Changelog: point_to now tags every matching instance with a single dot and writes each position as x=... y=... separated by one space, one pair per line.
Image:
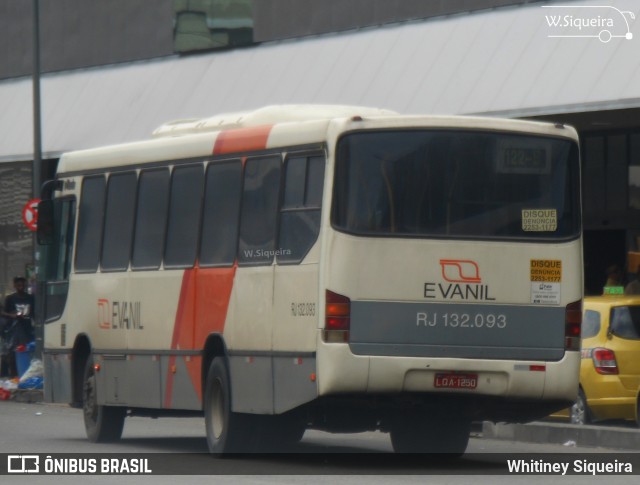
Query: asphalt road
x=319 y=458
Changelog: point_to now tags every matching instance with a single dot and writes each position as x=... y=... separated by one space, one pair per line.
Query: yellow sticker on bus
x=542 y=220
x=547 y=270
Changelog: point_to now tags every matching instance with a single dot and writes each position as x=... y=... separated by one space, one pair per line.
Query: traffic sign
x=30 y=214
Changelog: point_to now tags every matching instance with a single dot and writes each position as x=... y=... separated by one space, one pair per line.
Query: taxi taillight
x=604 y=361
x=337 y=317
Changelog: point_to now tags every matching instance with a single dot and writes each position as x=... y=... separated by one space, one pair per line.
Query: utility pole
x=36 y=169
x=37 y=127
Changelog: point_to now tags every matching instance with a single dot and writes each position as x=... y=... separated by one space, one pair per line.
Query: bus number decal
x=460 y=320
x=303 y=309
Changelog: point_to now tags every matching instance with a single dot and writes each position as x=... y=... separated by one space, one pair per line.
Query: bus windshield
x=463 y=184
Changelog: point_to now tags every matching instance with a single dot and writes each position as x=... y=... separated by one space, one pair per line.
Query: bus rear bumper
x=340 y=371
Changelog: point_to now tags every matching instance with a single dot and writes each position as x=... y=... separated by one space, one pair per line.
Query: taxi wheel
x=638 y=410
x=580 y=412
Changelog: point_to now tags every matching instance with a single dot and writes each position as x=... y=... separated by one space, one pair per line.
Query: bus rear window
x=445 y=183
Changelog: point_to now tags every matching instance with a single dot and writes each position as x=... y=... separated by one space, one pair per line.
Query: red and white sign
x=30 y=214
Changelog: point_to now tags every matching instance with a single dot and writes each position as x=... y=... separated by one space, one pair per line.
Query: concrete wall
x=281 y=19
x=84 y=33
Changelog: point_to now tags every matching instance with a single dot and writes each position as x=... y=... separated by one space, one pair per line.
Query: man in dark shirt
x=18 y=308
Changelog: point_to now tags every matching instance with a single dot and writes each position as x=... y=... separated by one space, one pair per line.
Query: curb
x=565 y=434
x=24 y=395
x=28 y=395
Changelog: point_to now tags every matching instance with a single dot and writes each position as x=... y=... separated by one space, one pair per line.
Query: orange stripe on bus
x=202 y=310
x=242 y=140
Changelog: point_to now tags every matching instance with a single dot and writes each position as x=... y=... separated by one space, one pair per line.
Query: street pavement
x=616 y=436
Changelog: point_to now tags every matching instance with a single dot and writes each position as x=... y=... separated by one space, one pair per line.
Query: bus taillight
x=573 y=322
x=337 y=317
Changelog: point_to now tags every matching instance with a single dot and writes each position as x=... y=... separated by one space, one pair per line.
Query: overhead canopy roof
x=498 y=62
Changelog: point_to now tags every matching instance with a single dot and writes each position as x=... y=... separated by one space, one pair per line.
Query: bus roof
x=276 y=126
x=268 y=115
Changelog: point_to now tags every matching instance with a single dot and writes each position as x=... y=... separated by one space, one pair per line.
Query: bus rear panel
x=458 y=255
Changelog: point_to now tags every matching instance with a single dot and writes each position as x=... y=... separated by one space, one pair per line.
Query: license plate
x=456 y=381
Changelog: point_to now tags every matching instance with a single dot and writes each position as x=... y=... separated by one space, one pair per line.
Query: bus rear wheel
x=227 y=432
x=103 y=424
x=415 y=433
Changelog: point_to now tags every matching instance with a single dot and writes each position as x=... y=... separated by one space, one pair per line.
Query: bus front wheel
x=103 y=424
x=227 y=432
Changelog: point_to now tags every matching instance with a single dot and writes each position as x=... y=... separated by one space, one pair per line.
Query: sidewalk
x=28 y=395
x=601 y=436
x=9 y=391
x=22 y=395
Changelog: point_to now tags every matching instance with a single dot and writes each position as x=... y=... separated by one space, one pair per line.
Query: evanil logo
x=461 y=280
x=603 y=22
x=123 y=315
x=460 y=271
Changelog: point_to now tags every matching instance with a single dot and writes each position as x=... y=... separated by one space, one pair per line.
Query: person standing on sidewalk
x=18 y=308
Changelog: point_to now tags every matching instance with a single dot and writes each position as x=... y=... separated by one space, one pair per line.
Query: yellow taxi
x=610 y=366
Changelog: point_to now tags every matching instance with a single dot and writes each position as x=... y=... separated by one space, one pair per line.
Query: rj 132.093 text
x=462 y=320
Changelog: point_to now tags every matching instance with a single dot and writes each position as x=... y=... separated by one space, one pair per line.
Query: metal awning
x=499 y=62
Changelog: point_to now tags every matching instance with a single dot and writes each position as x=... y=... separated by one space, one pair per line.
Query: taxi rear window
x=625 y=322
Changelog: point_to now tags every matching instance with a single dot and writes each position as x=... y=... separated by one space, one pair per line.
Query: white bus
x=336 y=268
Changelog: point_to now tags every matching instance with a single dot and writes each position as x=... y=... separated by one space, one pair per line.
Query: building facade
x=79 y=33
x=114 y=70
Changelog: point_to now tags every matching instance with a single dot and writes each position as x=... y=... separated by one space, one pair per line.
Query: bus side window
x=91 y=216
x=118 y=224
x=221 y=214
x=151 y=219
x=65 y=240
x=184 y=216
x=300 y=218
x=55 y=264
x=259 y=214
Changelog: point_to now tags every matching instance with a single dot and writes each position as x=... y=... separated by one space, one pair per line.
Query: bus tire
x=103 y=424
x=416 y=434
x=227 y=432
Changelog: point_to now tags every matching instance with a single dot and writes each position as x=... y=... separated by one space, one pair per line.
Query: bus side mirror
x=45 y=223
